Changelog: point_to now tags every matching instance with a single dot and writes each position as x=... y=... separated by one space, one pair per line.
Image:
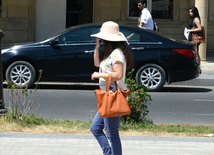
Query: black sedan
x=68 y=57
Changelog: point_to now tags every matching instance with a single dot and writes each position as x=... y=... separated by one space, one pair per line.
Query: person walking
x=194 y=26
x=115 y=58
x=145 y=21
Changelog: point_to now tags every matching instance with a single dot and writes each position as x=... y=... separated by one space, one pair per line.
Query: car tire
x=21 y=73
x=152 y=76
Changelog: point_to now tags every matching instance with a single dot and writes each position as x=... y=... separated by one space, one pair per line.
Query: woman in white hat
x=115 y=58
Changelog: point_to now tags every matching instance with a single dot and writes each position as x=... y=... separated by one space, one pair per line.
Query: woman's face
x=190 y=13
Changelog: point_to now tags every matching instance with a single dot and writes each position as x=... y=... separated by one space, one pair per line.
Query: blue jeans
x=112 y=131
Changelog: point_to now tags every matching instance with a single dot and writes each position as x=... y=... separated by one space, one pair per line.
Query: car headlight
x=4 y=50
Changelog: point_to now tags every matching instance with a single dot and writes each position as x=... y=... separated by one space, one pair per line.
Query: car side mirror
x=54 y=41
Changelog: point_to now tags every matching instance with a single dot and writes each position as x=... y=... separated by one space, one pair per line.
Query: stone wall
x=18 y=21
x=107 y=10
x=19 y=24
x=117 y=11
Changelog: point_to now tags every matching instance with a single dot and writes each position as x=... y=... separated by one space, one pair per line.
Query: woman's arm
x=116 y=75
x=96 y=53
x=198 y=24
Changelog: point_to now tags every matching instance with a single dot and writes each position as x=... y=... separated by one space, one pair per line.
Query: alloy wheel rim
x=150 y=77
x=20 y=75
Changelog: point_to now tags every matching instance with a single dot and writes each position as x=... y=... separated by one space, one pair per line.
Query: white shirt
x=146 y=18
x=106 y=66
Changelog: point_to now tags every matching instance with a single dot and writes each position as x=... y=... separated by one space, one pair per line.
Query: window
x=133 y=9
x=79 y=12
x=135 y=37
x=0 y=8
x=211 y=12
x=79 y=36
x=160 y=9
x=131 y=35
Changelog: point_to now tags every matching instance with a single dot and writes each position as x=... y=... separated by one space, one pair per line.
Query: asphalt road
x=174 y=104
x=183 y=105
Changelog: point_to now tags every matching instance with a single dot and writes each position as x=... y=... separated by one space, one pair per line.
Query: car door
x=72 y=58
x=138 y=45
x=145 y=45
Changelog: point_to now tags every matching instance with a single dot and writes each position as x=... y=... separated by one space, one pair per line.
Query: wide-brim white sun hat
x=110 y=32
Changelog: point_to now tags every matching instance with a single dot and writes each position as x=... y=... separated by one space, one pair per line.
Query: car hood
x=24 y=45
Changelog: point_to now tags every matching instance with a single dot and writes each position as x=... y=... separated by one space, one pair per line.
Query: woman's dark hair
x=109 y=46
x=195 y=12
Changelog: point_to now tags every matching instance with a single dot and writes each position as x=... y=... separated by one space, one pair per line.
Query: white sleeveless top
x=106 y=66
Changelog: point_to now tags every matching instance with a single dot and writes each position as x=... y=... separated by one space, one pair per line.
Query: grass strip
x=36 y=124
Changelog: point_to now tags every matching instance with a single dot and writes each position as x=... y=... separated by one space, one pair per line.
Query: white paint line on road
x=201 y=100
x=203 y=114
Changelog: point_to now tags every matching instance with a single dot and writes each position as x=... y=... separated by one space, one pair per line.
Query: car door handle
x=137 y=48
x=89 y=51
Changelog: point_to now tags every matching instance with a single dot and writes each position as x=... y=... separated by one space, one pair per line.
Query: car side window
x=148 y=38
x=132 y=36
x=79 y=36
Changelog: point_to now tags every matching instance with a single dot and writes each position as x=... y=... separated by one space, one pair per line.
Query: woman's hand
x=98 y=43
x=95 y=75
x=96 y=53
x=188 y=30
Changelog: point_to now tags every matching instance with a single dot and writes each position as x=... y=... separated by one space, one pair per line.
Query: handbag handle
x=108 y=83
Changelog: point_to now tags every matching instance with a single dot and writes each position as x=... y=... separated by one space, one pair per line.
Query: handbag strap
x=108 y=83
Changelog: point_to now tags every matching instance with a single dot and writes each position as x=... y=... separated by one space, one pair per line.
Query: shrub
x=21 y=101
x=138 y=100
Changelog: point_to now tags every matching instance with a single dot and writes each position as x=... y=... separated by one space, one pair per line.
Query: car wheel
x=21 y=73
x=152 y=76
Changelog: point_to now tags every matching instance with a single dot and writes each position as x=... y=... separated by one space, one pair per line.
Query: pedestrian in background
x=115 y=58
x=194 y=25
x=145 y=20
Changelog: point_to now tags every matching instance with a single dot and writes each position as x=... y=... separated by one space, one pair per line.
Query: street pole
x=3 y=110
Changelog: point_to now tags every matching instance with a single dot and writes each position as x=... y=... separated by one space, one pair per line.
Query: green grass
x=170 y=129
x=33 y=123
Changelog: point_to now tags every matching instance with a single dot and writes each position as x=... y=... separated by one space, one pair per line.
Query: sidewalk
x=208 y=65
x=68 y=144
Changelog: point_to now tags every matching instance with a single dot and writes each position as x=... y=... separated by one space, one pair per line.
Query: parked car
x=68 y=57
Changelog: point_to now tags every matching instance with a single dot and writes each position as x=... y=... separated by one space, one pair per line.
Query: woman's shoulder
x=117 y=54
x=117 y=51
x=196 y=19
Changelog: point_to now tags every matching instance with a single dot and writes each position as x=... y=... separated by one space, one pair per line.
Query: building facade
x=33 y=20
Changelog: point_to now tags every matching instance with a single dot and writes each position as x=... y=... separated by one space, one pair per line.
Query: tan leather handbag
x=112 y=104
x=199 y=37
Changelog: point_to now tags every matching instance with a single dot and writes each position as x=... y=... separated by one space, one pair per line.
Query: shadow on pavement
x=94 y=86
x=68 y=87
x=64 y=86
x=188 y=89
